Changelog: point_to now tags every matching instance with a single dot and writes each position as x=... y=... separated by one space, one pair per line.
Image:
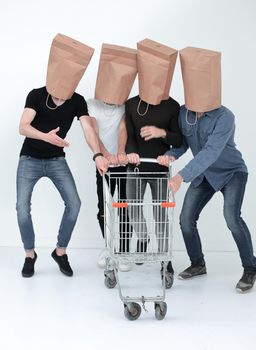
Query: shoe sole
x=101 y=266
x=243 y=291
x=27 y=275
x=61 y=270
x=125 y=270
x=189 y=278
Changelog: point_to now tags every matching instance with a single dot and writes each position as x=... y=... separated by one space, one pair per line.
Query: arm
x=178 y=152
x=93 y=142
x=171 y=136
x=110 y=157
x=26 y=129
x=122 y=140
x=131 y=145
x=96 y=130
x=211 y=151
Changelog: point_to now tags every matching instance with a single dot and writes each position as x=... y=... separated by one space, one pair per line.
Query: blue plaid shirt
x=211 y=140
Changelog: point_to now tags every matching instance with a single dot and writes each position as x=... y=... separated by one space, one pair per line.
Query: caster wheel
x=132 y=311
x=110 y=282
x=160 y=310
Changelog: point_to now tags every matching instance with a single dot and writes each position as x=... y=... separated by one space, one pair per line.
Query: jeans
x=118 y=184
x=136 y=188
x=195 y=200
x=30 y=170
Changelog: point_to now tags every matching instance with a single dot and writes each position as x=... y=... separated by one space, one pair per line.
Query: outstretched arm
x=112 y=159
x=26 y=129
x=122 y=140
x=93 y=142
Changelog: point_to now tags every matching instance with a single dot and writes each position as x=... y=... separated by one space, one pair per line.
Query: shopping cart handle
x=151 y=160
x=148 y=160
x=142 y=160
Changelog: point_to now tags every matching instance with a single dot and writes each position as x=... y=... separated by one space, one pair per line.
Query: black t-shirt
x=163 y=116
x=46 y=120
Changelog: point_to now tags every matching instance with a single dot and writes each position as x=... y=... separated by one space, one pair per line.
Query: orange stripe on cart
x=168 y=204
x=119 y=205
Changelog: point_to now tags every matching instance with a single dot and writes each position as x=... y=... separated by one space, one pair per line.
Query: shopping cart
x=150 y=215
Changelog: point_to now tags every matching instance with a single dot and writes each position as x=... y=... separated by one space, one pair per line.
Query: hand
x=101 y=164
x=133 y=158
x=151 y=132
x=175 y=182
x=122 y=158
x=112 y=159
x=54 y=139
x=165 y=160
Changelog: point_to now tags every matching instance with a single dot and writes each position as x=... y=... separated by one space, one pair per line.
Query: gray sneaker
x=192 y=271
x=247 y=280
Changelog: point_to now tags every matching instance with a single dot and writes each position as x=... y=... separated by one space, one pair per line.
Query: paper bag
x=201 y=73
x=156 y=63
x=67 y=63
x=116 y=73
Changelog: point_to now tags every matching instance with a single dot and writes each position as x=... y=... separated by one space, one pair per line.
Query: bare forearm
x=31 y=132
x=91 y=138
x=122 y=141
x=103 y=149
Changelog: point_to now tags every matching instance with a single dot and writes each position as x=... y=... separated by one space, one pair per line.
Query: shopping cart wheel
x=110 y=282
x=132 y=311
x=168 y=280
x=160 y=310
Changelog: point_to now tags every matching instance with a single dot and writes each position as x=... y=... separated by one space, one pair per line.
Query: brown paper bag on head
x=201 y=73
x=156 y=63
x=116 y=73
x=67 y=63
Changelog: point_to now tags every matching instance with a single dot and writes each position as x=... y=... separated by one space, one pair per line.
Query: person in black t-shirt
x=45 y=123
x=151 y=130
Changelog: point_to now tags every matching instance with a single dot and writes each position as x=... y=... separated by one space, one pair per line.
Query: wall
x=27 y=29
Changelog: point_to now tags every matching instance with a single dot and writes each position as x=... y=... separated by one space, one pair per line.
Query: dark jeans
x=30 y=170
x=196 y=199
x=119 y=185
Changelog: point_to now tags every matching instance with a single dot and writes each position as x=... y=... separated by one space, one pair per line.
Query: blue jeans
x=30 y=170
x=196 y=199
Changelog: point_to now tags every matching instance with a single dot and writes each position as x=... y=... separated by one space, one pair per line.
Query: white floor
x=52 y=311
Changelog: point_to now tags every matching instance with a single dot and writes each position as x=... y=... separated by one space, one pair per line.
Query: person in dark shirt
x=151 y=130
x=45 y=122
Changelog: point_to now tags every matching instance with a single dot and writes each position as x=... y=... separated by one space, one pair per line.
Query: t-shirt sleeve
x=81 y=108
x=32 y=101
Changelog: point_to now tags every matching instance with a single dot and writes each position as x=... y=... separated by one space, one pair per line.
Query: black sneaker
x=192 y=271
x=63 y=263
x=28 y=267
x=247 y=280
x=142 y=247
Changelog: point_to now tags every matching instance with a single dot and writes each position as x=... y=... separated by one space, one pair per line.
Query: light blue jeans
x=30 y=170
x=196 y=199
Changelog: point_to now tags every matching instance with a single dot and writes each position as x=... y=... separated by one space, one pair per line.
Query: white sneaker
x=125 y=266
x=102 y=258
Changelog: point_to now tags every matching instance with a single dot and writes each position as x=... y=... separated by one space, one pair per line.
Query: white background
x=27 y=28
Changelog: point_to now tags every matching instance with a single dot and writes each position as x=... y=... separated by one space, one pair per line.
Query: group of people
x=120 y=131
